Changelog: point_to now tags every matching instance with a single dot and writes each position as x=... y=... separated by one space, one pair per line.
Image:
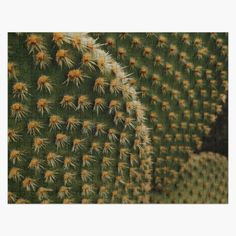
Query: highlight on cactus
x=115 y=117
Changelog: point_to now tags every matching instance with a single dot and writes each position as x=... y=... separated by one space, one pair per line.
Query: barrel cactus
x=76 y=127
x=182 y=80
x=203 y=179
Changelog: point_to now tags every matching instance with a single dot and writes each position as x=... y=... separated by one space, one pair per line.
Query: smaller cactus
x=203 y=179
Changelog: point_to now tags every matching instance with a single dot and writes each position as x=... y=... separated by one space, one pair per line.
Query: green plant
x=76 y=128
x=203 y=179
x=182 y=80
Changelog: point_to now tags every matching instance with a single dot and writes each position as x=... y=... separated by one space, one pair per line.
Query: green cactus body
x=203 y=179
x=182 y=80
x=76 y=129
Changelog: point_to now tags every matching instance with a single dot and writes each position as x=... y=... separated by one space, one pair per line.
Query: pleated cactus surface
x=76 y=128
x=182 y=80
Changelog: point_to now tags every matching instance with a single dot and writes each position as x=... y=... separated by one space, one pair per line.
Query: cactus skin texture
x=182 y=79
x=76 y=131
x=203 y=179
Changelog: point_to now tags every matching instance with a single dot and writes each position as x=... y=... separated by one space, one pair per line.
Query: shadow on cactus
x=112 y=118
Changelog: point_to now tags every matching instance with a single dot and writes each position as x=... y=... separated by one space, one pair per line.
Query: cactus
x=203 y=179
x=76 y=128
x=182 y=80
